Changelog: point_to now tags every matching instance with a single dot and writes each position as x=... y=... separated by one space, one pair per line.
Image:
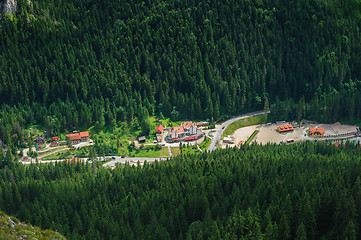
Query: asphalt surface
x=220 y=128
x=215 y=140
x=133 y=159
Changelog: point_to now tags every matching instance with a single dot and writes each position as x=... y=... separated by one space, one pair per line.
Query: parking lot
x=268 y=133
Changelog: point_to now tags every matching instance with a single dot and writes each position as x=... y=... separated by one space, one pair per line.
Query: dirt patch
x=242 y=134
x=268 y=133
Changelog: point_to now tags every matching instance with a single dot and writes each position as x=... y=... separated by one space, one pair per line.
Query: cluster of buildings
x=313 y=131
x=187 y=131
x=74 y=138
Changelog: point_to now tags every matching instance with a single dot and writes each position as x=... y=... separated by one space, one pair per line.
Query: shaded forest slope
x=272 y=192
x=91 y=60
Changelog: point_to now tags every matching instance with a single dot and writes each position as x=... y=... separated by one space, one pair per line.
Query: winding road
x=215 y=140
x=219 y=129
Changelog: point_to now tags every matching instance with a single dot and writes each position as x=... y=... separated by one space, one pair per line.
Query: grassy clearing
x=175 y=151
x=204 y=145
x=60 y=155
x=189 y=149
x=164 y=152
x=153 y=153
x=249 y=140
x=260 y=119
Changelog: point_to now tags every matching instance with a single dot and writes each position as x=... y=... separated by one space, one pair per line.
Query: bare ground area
x=269 y=134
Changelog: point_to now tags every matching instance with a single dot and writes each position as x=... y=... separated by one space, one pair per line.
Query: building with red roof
x=73 y=160
x=285 y=128
x=55 y=139
x=78 y=137
x=160 y=129
x=186 y=130
x=319 y=131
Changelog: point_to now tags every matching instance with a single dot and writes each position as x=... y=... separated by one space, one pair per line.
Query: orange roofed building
x=319 y=131
x=74 y=160
x=187 y=128
x=159 y=129
x=78 y=137
x=285 y=128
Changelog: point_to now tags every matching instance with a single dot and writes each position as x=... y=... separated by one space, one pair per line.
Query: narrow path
x=199 y=148
x=170 y=151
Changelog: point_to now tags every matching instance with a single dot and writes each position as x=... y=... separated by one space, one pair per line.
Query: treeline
x=303 y=191
x=335 y=106
x=82 y=62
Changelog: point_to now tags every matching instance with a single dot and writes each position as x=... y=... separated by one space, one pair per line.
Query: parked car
x=113 y=157
x=122 y=157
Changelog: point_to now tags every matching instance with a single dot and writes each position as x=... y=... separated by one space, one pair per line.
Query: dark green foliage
x=91 y=62
x=305 y=191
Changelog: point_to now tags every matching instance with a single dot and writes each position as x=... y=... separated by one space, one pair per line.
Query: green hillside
x=88 y=61
x=12 y=229
x=256 y=192
x=111 y=66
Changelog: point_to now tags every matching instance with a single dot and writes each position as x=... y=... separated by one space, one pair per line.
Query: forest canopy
x=300 y=191
x=84 y=62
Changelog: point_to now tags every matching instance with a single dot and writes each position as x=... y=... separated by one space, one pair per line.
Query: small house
x=228 y=140
x=39 y=139
x=53 y=144
x=141 y=139
x=55 y=139
x=160 y=129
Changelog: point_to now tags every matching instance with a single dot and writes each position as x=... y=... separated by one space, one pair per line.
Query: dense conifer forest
x=301 y=191
x=78 y=63
x=82 y=63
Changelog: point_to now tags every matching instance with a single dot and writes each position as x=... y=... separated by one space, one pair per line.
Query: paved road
x=134 y=159
x=219 y=129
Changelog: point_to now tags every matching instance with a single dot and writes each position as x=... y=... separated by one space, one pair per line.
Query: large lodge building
x=78 y=137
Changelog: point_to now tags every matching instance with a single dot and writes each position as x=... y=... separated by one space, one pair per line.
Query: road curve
x=219 y=129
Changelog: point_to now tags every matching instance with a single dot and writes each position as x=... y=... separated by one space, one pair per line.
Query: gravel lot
x=268 y=133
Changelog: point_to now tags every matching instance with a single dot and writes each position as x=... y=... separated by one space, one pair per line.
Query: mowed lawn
x=153 y=153
x=260 y=119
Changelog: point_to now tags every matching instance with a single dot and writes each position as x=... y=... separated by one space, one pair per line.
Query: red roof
x=177 y=129
x=73 y=160
x=285 y=128
x=188 y=124
x=159 y=129
x=337 y=144
x=78 y=136
x=55 y=138
x=190 y=138
x=318 y=130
